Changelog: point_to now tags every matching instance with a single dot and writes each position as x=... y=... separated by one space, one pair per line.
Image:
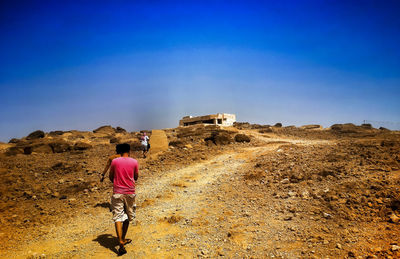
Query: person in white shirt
x=145 y=144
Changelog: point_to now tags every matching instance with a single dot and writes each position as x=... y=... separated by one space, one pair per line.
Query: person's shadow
x=108 y=241
x=106 y=205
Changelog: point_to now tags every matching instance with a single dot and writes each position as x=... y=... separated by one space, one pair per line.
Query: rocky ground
x=249 y=191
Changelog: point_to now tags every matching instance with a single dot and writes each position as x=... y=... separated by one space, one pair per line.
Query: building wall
x=229 y=119
x=223 y=119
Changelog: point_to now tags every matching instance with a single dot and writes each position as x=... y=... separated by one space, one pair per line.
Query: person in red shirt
x=124 y=172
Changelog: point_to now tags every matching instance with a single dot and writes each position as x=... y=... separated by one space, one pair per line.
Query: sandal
x=121 y=251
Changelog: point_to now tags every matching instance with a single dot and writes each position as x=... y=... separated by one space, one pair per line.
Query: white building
x=222 y=119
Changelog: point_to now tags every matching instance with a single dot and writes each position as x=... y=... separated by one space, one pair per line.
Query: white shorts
x=123 y=207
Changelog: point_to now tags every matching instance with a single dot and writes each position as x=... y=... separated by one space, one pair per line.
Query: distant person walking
x=145 y=144
x=124 y=173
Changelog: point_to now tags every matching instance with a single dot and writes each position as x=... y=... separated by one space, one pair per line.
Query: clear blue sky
x=145 y=64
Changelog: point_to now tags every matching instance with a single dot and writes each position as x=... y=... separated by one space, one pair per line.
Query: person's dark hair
x=122 y=148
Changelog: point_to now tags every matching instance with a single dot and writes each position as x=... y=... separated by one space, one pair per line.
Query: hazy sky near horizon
x=145 y=64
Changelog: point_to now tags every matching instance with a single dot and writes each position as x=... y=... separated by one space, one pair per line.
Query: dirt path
x=171 y=215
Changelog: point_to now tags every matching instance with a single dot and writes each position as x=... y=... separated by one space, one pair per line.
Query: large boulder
x=56 y=133
x=35 y=135
x=176 y=143
x=81 y=146
x=223 y=139
x=366 y=126
x=60 y=146
x=14 y=141
x=266 y=130
x=241 y=125
x=38 y=148
x=219 y=138
x=311 y=126
x=242 y=138
x=105 y=129
x=278 y=125
x=345 y=128
x=12 y=151
x=120 y=130
x=114 y=140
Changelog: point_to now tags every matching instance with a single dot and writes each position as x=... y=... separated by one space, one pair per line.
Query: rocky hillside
x=321 y=184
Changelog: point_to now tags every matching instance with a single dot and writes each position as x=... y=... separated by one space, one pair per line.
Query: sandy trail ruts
x=166 y=215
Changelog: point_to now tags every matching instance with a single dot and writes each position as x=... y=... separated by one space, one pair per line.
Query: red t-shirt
x=124 y=169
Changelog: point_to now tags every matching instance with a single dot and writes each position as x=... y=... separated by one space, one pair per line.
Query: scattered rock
x=394 y=248
x=285 y=181
x=394 y=218
x=28 y=194
x=35 y=135
x=305 y=195
x=174 y=219
x=288 y=217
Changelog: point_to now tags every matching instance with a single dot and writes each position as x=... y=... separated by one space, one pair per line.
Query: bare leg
x=125 y=226
x=118 y=229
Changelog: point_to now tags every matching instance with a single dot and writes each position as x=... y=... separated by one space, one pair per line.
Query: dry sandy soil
x=288 y=193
